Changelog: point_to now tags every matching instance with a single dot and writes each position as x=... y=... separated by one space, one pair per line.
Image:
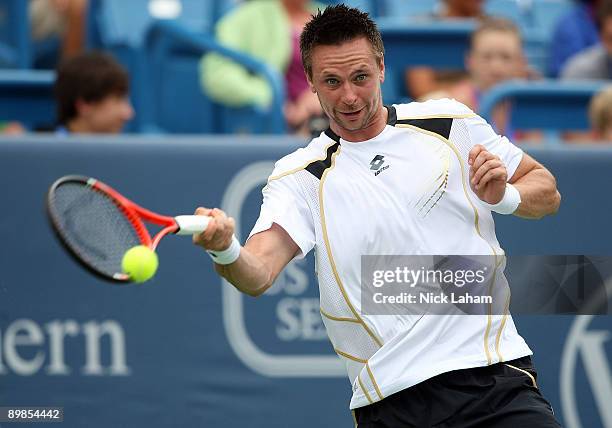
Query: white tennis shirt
x=418 y=201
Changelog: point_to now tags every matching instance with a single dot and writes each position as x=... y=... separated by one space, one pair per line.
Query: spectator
x=594 y=62
x=574 y=32
x=600 y=114
x=11 y=128
x=424 y=80
x=268 y=30
x=495 y=56
x=92 y=95
x=63 y=19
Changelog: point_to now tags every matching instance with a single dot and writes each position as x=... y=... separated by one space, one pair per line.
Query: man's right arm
x=261 y=260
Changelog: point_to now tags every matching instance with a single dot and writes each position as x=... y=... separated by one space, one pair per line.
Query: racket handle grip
x=191 y=224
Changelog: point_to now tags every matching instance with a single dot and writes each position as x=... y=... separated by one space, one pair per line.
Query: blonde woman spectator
x=600 y=114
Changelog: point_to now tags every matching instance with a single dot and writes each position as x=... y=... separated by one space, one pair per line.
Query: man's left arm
x=535 y=184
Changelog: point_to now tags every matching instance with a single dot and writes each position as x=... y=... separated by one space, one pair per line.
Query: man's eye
x=361 y=77
x=331 y=81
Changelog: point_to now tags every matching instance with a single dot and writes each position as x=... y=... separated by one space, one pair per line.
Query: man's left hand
x=488 y=175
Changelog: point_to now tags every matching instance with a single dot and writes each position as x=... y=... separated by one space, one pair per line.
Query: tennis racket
x=97 y=225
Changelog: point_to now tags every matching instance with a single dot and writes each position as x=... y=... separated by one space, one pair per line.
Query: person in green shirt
x=269 y=31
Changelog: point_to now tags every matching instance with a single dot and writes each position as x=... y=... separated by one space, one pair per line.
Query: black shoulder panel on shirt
x=391 y=115
x=318 y=167
x=332 y=135
x=439 y=125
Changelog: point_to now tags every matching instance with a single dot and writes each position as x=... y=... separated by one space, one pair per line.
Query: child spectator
x=92 y=92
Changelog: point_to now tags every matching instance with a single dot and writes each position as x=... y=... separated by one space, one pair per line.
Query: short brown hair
x=338 y=24
x=89 y=77
x=600 y=110
x=495 y=24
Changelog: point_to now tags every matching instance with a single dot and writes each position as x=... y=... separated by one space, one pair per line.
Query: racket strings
x=94 y=226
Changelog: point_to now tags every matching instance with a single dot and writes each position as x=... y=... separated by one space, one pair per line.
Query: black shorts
x=503 y=395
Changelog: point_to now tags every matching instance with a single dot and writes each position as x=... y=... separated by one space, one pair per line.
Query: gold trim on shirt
x=501 y=327
x=329 y=251
x=350 y=357
x=374 y=382
x=476 y=223
x=365 y=391
x=326 y=315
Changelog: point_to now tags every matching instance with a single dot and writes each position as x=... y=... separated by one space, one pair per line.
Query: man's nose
x=349 y=95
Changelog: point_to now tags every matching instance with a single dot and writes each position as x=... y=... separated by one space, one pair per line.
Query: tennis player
x=418 y=178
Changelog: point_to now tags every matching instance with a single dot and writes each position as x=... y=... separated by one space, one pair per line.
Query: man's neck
x=375 y=128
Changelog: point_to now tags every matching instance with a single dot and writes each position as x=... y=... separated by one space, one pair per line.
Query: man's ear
x=312 y=88
x=381 y=68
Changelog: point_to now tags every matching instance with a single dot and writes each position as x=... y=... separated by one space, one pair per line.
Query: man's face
x=496 y=56
x=107 y=116
x=347 y=78
x=606 y=34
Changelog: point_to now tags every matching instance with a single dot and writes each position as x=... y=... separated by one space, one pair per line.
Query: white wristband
x=509 y=203
x=227 y=256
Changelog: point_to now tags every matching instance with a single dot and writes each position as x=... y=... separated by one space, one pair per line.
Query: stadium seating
x=27 y=96
x=120 y=27
x=408 y=8
x=161 y=42
x=174 y=53
x=118 y=23
x=535 y=18
x=15 y=45
x=161 y=48
x=439 y=45
x=529 y=14
x=539 y=15
x=410 y=42
x=548 y=105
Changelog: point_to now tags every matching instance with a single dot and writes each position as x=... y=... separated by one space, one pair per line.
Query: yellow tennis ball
x=140 y=263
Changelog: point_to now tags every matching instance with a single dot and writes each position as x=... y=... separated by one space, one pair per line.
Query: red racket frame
x=134 y=213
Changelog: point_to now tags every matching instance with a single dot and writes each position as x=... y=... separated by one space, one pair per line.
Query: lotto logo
x=377 y=162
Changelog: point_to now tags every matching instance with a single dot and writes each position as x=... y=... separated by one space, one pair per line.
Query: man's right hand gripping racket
x=98 y=225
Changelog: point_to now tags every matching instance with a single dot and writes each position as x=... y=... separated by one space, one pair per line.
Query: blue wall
x=185 y=350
